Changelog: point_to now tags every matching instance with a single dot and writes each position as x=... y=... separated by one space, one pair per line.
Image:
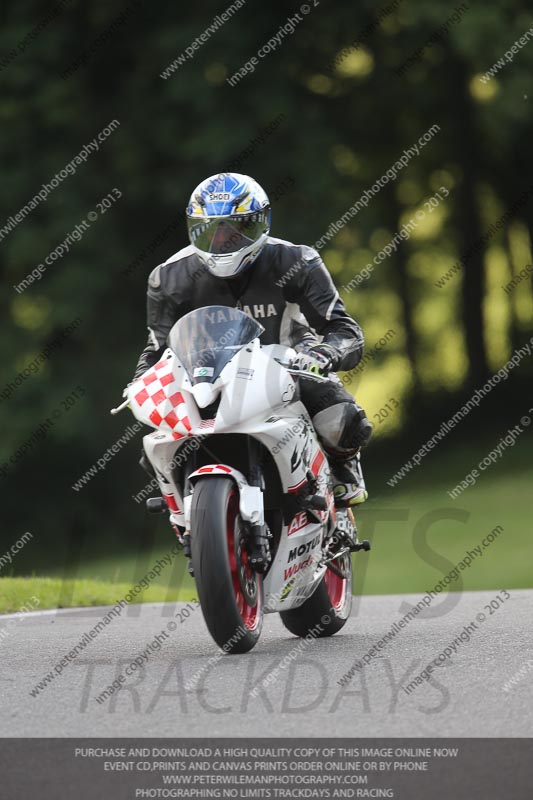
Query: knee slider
x=357 y=429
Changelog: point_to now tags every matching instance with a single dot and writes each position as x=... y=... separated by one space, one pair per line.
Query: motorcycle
x=245 y=481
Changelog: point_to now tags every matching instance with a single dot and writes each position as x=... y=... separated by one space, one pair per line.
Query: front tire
x=229 y=591
x=328 y=608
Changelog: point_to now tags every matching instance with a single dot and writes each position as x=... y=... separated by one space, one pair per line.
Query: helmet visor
x=222 y=235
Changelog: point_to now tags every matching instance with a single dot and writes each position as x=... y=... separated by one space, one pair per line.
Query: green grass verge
x=16 y=593
x=414 y=553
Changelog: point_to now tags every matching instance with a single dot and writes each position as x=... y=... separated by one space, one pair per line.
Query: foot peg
x=364 y=545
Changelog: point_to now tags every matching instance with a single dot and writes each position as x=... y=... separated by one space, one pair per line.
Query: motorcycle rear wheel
x=328 y=608
x=229 y=591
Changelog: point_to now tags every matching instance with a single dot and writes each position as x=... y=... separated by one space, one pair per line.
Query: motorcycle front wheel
x=229 y=591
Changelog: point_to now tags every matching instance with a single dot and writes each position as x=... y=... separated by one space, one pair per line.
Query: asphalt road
x=465 y=696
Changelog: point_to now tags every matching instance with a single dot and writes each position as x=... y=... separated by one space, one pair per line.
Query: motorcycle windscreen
x=205 y=340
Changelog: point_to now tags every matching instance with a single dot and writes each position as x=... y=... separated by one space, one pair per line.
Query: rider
x=232 y=261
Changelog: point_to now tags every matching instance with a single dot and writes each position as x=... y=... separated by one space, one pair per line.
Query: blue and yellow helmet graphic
x=228 y=219
x=226 y=194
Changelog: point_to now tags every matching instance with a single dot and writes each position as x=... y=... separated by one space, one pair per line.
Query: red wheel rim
x=336 y=588
x=238 y=562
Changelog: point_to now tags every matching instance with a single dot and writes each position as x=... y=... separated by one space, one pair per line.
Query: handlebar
x=297 y=372
x=303 y=374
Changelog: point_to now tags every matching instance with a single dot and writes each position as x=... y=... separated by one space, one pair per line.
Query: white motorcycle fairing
x=257 y=399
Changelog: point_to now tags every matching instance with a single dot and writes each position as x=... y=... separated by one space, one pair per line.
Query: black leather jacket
x=287 y=289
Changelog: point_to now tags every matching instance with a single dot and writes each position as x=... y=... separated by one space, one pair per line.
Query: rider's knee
x=343 y=426
x=357 y=429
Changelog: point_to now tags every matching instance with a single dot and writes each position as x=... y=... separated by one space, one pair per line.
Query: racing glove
x=320 y=359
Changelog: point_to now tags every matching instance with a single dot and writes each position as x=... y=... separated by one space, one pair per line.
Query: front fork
x=191 y=466
x=260 y=555
x=251 y=488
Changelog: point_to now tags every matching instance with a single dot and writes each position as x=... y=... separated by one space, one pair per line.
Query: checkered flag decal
x=157 y=394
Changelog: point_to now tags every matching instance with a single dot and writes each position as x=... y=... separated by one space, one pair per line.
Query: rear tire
x=229 y=591
x=328 y=608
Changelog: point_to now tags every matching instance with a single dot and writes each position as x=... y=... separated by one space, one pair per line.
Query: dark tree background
x=341 y=130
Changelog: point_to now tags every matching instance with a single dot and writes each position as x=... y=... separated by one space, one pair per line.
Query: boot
x=349 y=487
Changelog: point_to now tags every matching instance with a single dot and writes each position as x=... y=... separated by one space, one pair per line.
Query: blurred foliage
x=343 y=129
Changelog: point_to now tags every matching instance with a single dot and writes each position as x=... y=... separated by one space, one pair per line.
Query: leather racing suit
x=290 y=292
